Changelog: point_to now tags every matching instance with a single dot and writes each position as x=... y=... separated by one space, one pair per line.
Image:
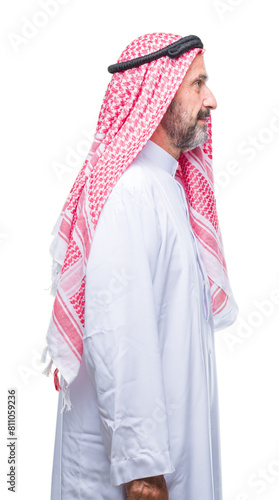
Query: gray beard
x=175 y=121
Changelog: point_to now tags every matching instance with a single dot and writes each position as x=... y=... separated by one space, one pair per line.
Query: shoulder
x=129 y=218
x=132 y=202
x=136 y=185
x=134 y=180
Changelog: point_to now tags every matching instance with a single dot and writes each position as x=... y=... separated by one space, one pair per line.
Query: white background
x=53 y=82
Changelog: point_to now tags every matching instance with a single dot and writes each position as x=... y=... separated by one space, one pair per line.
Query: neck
x=161 y=139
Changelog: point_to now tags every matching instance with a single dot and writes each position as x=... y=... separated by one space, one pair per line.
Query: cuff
x=143 y=465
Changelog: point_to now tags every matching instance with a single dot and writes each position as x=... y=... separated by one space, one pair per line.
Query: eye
x=198 y=83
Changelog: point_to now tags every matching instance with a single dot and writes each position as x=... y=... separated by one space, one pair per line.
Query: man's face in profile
x=185 y=119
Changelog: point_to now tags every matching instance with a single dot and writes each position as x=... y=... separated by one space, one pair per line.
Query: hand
x=148 y=488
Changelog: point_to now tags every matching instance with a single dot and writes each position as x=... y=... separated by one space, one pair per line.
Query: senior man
x=141 y=285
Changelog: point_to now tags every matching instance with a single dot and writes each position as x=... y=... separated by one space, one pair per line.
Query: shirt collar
x=159 y=156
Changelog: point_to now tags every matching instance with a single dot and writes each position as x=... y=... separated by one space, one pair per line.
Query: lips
x=203 y=120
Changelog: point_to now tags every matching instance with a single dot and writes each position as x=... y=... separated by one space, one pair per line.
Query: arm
x=121 y=343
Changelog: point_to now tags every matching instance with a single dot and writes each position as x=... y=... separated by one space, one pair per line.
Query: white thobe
x=145 y=401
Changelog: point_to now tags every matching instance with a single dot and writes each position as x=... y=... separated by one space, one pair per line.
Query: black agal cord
x=173 y=50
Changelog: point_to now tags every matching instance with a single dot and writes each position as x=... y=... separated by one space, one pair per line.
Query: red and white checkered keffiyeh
x=133 y=106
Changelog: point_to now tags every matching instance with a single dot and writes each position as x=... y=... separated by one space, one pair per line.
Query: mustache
x=203 y=114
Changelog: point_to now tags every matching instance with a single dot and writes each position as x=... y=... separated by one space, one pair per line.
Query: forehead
x=197 y=68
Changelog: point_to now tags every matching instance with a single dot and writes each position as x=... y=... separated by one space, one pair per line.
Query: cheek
x=194 y=112
x=190 y=105
x=194 y=104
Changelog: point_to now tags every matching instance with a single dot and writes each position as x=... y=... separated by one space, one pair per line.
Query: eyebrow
x=201 y=76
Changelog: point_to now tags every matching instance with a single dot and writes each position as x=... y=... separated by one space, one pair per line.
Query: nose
x=209 y=100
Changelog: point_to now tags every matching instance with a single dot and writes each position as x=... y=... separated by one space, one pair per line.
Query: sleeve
x=121 y=344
